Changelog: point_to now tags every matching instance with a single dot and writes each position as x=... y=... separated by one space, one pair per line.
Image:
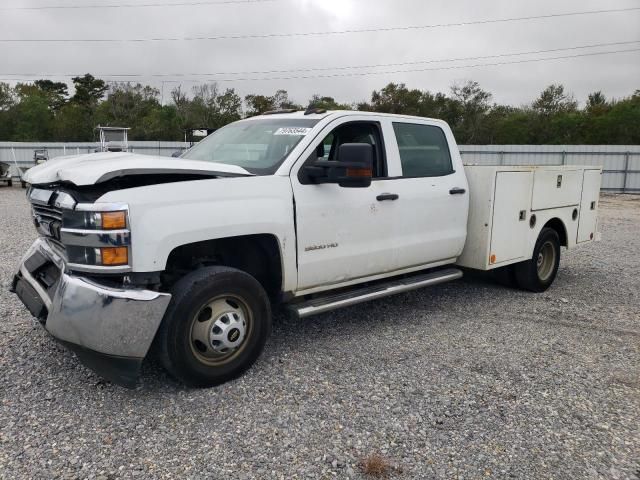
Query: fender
x=167 y=216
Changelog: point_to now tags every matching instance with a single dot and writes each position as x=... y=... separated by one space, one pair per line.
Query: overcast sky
x=615 y=74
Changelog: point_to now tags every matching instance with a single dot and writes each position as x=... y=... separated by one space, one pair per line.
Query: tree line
x=45 y=111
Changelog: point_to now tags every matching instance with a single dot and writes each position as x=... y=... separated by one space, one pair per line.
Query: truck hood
x=93 y=168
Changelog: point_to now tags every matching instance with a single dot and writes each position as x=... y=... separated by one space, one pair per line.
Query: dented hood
x=93 y=168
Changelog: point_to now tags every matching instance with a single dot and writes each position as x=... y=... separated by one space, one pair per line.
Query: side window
x=424 y=151
x=325 y=147
x=355 y=132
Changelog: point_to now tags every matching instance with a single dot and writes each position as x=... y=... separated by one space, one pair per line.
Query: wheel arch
x=259 y=255
x=560 y=228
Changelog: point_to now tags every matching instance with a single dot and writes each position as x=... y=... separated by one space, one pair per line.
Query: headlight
x=100 y=257
x=94 y=220
x=97 y=237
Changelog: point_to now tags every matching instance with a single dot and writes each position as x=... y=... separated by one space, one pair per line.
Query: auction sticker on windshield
x=292 y=131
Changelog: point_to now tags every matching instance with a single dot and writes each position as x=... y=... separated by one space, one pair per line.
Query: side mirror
x=353 y=169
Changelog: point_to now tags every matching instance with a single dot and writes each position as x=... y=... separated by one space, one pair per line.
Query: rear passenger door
x=433 y=193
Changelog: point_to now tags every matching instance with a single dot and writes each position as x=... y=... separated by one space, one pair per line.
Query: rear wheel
x=539 y=273
x=10 y=183
x=215 y=327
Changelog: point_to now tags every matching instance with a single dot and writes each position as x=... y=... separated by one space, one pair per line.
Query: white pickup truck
x=309 y=210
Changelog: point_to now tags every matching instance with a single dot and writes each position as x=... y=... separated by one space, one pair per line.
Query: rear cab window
x=424 y=151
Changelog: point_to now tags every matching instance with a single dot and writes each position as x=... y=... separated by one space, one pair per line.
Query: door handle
x=387 y=196
x=457 y=191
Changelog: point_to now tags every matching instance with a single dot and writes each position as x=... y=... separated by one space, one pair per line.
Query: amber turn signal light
x=359 y=172
x=114 y=220
x=114 y=256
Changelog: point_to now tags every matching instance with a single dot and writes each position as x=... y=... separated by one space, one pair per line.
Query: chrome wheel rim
x=546 y=261
x=219 y=330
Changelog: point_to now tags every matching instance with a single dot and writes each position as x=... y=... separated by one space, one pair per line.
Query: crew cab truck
x=315 y=210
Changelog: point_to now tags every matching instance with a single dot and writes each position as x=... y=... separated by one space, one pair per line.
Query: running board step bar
x=353 y=297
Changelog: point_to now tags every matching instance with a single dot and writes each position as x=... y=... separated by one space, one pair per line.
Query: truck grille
x=47 y=219
x=48 y=213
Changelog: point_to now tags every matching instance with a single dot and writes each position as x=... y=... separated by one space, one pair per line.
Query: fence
x=24 y=150
x=620 y=163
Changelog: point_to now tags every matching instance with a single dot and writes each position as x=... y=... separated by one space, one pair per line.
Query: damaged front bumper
x=110 y=329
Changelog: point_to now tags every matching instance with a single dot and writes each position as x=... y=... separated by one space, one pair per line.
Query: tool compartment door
x=588 y=222
x=553 y=188
x=509 y=235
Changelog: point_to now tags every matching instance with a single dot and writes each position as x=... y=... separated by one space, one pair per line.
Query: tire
x=215 y=327
x=10 y=183
x=537 y=274
x=23 y=184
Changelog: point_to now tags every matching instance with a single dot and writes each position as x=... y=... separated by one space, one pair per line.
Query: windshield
x=259 y=146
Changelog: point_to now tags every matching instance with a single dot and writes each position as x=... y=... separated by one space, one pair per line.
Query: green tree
x=7 y=97
x=257 y=104
x=42 y=111
x=552 y=109
x=328 y=103
x=212 y=109
x=281 y=101
x=396 y=98
x=89 y=90
x=32 y=116
x=162 y=123
x=504 y=124
x=127 y=105
x=56 y=92
x=553 y=100
x=74 y=123
x=7 y=102
x=621 y=125
x=474 y=102
x=597 y=103
x=181 y=103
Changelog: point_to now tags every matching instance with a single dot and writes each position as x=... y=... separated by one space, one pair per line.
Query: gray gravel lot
x=464 y=380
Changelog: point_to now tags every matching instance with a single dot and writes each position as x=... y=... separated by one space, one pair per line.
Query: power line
x=415 y=62
x=311 y=34
x=315 y=69
x=388 y=72
x=455 y=67
x=139 y=5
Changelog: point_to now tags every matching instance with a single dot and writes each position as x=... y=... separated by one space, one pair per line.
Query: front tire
x=215 y=327
x=537 y=274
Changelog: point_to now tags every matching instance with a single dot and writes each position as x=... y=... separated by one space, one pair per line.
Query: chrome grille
x=49 y=213
x=47 y=217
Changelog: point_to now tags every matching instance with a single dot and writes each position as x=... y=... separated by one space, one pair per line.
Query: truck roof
x=330 y=113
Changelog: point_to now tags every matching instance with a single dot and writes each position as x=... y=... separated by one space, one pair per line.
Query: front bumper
x=110 y=329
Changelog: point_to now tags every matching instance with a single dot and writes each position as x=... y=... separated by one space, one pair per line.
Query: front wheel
x=537 y=274
x=215 y=327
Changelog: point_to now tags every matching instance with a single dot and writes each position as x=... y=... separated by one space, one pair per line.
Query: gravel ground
x=465 y=380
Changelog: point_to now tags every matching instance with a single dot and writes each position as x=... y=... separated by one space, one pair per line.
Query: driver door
x=344 y=234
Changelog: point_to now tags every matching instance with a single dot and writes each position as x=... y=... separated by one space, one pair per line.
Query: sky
x=327 y=61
